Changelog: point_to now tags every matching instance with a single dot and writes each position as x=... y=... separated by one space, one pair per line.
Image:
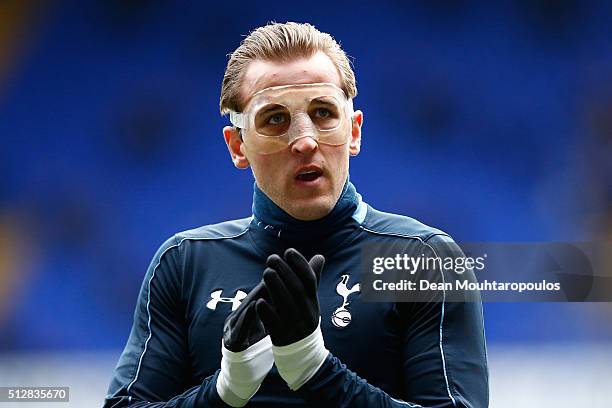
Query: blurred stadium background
x=497 y=114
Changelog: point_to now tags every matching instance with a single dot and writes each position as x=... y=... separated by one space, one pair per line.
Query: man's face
x=306 y=178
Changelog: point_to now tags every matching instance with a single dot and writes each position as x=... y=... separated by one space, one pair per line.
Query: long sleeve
x=335 y=385
x=443 y=348
x=154 y=368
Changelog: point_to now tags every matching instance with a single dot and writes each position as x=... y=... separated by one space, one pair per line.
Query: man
x=298 y=333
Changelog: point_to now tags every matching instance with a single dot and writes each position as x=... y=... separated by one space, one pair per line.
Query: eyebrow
x=270 y=108
x=323 y=99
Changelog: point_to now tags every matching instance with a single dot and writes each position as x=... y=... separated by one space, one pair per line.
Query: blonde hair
x=282 y=42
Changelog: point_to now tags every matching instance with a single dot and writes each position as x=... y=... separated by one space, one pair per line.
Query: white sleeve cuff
x=298 y=362
x=242 y=372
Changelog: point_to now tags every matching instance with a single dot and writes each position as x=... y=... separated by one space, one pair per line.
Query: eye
x=324 y=109
x=276 y=119
x=325 y=114
x=322 y=113
x=272 y=120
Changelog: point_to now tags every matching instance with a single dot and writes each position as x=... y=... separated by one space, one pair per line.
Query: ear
x=235 y=146
x=355 y=141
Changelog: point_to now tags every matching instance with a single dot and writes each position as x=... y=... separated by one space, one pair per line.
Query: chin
x=313 y=208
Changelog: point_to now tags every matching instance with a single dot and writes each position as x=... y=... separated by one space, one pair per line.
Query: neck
x=274 y=224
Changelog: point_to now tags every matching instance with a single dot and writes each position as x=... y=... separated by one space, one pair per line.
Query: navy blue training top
x=429 y=354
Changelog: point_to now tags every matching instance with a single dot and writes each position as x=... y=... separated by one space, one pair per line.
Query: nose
x=304 y=145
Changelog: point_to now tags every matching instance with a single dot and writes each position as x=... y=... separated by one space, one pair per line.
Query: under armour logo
x=216 y=298
x=342 y=316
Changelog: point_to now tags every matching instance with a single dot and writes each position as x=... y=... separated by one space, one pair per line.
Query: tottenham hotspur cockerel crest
x=342 y=316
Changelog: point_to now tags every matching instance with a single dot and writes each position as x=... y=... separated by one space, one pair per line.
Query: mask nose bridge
x=301 y=126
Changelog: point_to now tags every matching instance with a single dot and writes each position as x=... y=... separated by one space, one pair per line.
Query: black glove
x=246 y=353
x=242 y=327
x=289 y=309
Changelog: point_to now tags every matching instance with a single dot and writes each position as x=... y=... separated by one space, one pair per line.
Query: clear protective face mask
x=275 y=117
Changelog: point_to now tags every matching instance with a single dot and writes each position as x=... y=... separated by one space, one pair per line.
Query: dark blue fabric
x=288 y=227
x=432 y=354
x=273 y=230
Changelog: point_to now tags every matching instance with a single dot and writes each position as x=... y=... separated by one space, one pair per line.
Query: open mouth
x=309 y=175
